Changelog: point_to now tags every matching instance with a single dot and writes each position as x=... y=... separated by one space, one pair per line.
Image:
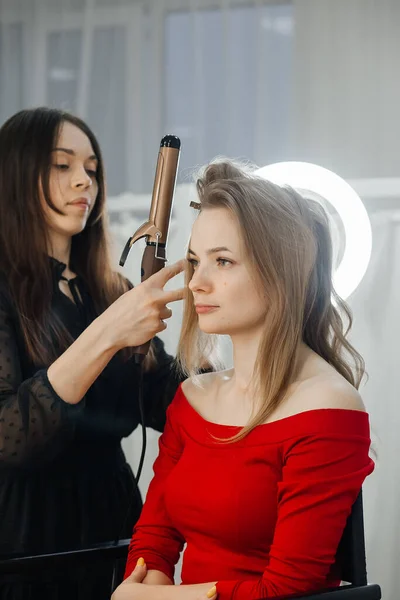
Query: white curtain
x=376 y=333
x=313 y=80
x=346 y=102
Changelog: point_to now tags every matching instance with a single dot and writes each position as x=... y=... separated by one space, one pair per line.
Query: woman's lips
x=204 y=308
x=80 y=205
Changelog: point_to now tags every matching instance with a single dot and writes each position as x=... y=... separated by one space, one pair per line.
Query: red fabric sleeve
x=154 y=538
x=321 y=478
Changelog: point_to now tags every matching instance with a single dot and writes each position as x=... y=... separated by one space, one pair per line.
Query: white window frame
x=39 y=21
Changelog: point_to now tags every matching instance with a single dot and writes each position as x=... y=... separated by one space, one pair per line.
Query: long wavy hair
x=26 y=143
x=287 y=239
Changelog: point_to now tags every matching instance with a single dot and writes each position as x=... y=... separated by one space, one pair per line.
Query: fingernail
x=212 y=592
x=140 y=562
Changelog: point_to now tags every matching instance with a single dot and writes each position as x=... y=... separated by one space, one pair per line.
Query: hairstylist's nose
x=81 y=179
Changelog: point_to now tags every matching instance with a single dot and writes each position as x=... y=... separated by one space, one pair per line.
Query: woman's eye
x=91 y=172
x=223 y=262
x=193 y=262
x=62 y=167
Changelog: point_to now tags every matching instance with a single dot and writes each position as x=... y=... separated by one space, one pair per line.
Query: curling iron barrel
x=156 y=229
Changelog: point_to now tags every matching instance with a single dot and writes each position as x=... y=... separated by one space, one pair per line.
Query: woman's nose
x=200 y=281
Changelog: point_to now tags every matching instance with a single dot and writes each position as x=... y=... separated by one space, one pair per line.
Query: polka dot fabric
x=30 y=410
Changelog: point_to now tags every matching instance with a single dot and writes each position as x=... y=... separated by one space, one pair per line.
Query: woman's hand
x=138 y=315
x=133 y=589
x=131 y=320
x=139 y=572
x=126 y=590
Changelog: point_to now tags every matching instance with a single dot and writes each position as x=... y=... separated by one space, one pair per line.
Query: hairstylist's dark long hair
x=26 y=143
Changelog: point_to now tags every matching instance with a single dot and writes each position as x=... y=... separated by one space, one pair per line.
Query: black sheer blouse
x=64 y=480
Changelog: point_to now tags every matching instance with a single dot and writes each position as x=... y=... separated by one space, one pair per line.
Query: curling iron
x=155 y=230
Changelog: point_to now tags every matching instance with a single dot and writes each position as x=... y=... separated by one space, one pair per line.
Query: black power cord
x=142 y=418
x=138 y=361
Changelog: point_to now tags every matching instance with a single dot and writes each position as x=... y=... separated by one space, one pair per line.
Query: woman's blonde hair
x=287 y=239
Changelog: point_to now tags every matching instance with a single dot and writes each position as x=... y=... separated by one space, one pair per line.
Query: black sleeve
x=32 y=416
x=159 y=386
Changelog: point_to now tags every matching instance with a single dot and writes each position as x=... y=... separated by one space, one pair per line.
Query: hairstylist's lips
x=82 y=203
x=205 y=308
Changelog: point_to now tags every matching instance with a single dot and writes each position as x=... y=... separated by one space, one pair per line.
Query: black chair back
x=101 y=558
x=350 y=557
x=350 y=563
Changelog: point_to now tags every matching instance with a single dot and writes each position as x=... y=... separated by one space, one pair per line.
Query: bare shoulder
x=326 y=391
x=201 y=386
x=203 y=389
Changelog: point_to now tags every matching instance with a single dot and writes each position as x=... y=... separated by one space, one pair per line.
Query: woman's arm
x=72 y=374
x=321 y=477
x=157 y=578
x=41 y=409
x=138 y=591
x=154 y=536
x=131 y=320
x=32 y=415
x=132 y=588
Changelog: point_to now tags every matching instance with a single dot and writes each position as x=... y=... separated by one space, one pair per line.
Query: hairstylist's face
x=73 y=182
x=224 y=289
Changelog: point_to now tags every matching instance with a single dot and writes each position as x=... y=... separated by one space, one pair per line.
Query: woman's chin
x=71 y=228
x=211 y=330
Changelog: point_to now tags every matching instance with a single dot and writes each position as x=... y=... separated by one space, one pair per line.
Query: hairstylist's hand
x=138 y=315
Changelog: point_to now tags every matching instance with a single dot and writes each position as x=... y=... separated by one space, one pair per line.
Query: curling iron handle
x=150 y=265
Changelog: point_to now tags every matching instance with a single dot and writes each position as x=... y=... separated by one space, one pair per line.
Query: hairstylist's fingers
x=173 y=295
x=165 y=313
x=166 y=273
x=162 y=326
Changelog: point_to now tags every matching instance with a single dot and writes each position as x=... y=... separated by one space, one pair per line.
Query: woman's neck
x=245 y=352
x=60 y=248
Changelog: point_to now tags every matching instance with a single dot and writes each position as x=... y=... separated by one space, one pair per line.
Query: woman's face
x=227 y=298
x=73 y=182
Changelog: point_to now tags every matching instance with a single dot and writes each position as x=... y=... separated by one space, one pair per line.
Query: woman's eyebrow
x=72 y=153
x=213 y=250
